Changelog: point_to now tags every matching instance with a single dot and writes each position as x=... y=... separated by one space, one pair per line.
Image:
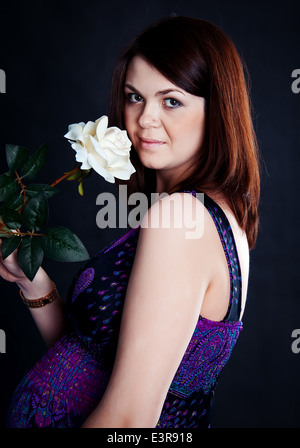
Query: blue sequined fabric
x=63 y=388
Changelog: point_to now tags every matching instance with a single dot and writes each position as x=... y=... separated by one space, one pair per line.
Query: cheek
x=189 y=134
x=196 y=128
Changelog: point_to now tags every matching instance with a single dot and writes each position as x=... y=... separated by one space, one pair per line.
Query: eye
x=134 y=98
x=171 y=103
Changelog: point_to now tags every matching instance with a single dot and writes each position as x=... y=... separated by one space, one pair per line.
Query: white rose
x=104 y=149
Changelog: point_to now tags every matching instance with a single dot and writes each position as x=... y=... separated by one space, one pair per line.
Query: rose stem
x=65 y=176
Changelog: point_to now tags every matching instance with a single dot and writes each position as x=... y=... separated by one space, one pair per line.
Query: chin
x=149 y=162
x=151 y=165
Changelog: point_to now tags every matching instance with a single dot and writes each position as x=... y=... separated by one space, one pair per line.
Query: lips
x=148 y=143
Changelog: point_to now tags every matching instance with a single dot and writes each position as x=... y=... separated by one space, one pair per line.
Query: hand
x=10 y=269
x=50 y=320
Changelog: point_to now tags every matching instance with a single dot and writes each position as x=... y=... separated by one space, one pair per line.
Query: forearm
x=50 y=319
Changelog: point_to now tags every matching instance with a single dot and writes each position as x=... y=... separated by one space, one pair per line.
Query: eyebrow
x=160 y=93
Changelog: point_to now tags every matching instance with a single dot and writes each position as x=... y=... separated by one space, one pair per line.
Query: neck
x=166 y=181
x=161 y=183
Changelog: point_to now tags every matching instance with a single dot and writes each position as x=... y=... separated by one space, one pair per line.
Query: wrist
x=41 y=301
x=40 y=286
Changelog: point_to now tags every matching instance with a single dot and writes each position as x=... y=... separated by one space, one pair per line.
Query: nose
x=149 y=117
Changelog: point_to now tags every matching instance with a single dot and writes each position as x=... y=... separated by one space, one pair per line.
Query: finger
x=9 y=267
x=6 y=275
x=11 y=258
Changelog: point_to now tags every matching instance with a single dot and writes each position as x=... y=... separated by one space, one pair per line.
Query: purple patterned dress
x=63 y=388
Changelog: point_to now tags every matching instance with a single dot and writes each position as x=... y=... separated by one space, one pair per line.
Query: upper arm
x=162 y=305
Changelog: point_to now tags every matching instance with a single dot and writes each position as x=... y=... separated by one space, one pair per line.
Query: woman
x=152 y=319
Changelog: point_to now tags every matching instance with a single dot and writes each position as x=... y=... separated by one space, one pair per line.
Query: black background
x=58 y=59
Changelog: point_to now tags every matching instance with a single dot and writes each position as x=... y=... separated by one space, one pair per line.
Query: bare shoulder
x=181 y=212
x=178 y=235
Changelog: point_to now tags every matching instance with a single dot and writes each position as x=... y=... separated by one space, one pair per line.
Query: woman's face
x=164 y=122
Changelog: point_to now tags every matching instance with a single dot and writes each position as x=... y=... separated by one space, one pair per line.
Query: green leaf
x=35 y=163
x=16 y=156
x=74 y=176
x=12 y=219
x=8 y=245
x=5 y=232
x=80 y=189
x=35 y=212
x=86 y=173
x=8 y=186
x=49 y=191
x=14 y=203
x=30 y=256
x=60 y=244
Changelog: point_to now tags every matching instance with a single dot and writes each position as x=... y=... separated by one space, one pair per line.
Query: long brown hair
x=201 y=59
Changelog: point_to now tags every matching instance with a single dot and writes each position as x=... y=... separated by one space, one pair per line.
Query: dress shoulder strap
x=229 y=246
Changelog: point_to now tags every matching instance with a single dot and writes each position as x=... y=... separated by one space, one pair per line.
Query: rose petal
x=74 y=132
x=115 y=130
x=116 y=160
x=94 y=147
x=100 y=169
x=102 y=124
x=77 y=146
x=98 y=159
x=117 y=137
x=125 y=172
x=110 y=147
x=89 y=128
x=82 y=157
